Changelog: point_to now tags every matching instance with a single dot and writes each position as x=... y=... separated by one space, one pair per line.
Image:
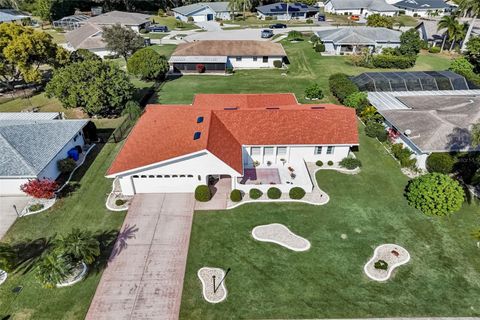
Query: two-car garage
x=163 y=183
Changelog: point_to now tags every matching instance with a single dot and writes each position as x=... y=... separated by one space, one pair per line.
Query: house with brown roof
x=254 y=140
x=217 y=56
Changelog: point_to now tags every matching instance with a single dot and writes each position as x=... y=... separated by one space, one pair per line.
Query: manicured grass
x=406 y=21
x=84 y=209
x=170 y=22
x=252 y=21
x=306 y=66
x=269 y=281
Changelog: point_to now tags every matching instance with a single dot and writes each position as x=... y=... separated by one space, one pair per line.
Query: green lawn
x=269 y=281
x=306 y=66
x=251 y=21
x=170 y=22
x=84 y=209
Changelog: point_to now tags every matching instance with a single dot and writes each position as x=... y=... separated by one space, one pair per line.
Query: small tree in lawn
x=79 y=245
x=435 y=194
x=40 y=188
x=147 y=64
x=200 y=68
x=313 y=91
x=377 y=20
x=121 y=40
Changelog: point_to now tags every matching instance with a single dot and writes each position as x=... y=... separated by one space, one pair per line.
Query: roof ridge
x=22 y=158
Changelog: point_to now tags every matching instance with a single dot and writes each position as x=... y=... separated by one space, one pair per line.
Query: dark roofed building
x=286 y=11
x=424 y=8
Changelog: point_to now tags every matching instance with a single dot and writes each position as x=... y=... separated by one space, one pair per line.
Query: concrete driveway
x=209 y=25
x=8 y=215
x=144 y=276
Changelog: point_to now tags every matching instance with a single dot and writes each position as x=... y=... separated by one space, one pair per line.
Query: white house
x=219 y=55
x=31 y=144
x=286 y=11
x=360 y=7
x=350 y=40
x=203 y=11
x=424 y=8
x=254 y=140
x=12 y=15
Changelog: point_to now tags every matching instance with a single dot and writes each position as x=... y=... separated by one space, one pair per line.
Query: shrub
x=236 y=195
x=274 y=193
x=200 y=68
x=440 y=162
x=381 y=264
x=296 y=193
x=435 y=194
x=341 y=86
x=309 y=21
x=255 y=193
x=40 y=188
x=393 y=61
x=277 y=63
x=179 y=24
x=434 y=50
x=377 y=20
x=403 y=155
x=190 y=19
x=313 y=91
x=268 y=18
x=314 y=38
x=319 y=163
x=410 y=43
x=202 y=193
x=295 y=35
x=36 y=207
x=374 y=129
x=66 y=165
x=330 y=163
x=120 y=202
x=132 y=109
x=319 y=47
x=147 y=64
x=143 y=31
x=357 y=100
x=350 y=163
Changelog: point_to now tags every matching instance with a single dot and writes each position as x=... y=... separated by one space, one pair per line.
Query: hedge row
x=341 y=86
x=393 y=61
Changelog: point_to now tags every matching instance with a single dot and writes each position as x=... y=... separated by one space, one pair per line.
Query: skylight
x=200 y=119
x=197 y=135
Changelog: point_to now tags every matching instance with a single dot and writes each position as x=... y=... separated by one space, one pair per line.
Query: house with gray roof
x=360 y=7
x=31 y=146
x=424 y=8
x=12 y=15
x=351 y=40
x=203 y=11
x=287 y=11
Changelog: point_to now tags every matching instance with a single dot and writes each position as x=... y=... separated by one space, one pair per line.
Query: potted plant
x=269 y=163
x=256 y=163
x=291 y=169
x=200 y=68
x=283 y=161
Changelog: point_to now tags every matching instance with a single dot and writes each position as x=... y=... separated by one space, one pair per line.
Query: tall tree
x=476 y=135
x=471 y=7
x=410 y=43
x=246 y=5
x=80 y=245
x=473 y=52
x=452 y=26
x=121 y=40
x=233 y=7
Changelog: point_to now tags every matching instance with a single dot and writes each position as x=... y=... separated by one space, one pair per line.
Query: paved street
x=144 y=277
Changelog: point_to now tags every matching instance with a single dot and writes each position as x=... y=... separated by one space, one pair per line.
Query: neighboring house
x=203 y=11
x=286 y=11
x=88 y=35
x=31 y=144
x=424 y=8
x=220 y=55
x=360 y=7
x=12 y=15
x=71 y=22
x=254 y=140
x=350 y=40
x=428 y=31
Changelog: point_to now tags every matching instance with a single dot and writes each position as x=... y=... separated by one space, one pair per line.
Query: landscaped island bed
x=328 y=280
x=213 y=284
x=281 y=235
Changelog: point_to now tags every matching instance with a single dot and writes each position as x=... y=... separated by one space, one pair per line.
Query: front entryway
x=220 y=187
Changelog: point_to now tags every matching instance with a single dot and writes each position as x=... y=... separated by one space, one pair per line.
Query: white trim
x=279 y=242
x=77 y=278
x=3 y=276
x=389 y=269
x=204 y=284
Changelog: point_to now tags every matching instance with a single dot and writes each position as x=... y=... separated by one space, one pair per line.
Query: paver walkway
x=144 y=277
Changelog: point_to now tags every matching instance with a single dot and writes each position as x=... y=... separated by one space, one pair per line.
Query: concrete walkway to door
x=144 y=277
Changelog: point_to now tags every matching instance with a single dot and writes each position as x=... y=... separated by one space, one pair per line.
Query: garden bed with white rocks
x=394 y=255
x=78 y=274
x=115 y=195
x=44 y=203
x=213 y=291
x=3 y=276
x=281 y=235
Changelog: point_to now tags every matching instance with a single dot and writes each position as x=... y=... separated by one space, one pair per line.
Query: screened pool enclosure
x=71 y=22
x=411 y=81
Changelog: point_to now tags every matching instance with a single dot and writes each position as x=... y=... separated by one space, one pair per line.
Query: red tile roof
x=166 y=131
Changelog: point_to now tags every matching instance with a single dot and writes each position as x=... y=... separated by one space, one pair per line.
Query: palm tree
x=232 y=6
x=247 y=5
x=54 y=268
x=79 y=246
x=9 y=4
x=449 y=23
x=7 y=257
x=472 y=7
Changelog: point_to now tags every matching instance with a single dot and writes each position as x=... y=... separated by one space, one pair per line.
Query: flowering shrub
x=393 y=134
x=40 y=188
x=200 y=68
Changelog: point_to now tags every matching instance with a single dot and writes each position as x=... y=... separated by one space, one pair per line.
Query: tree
x=99 y=88
x=454 y=30
x=476 y=135
x=357 y=100
x=44 y=9
x=410 y=43
x=462 y=66
x=233 y=7
x=54 y=268
x=80 y=55
x=7 y=257
x=247 y=5
x=121 y=40
x=132 y=109
x=473 y=52
x=79 y=245
x=471 y=7
x=313 y=91
x=377 y=20
x=440 y=162
x=147 y=64
x=435 y=194
x=40 y=188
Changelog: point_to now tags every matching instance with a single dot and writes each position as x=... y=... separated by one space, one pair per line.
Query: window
x=167 y=176
x=135 y=176
x=268 y=151
x=330 y=150
x=190 y=176
x=281 y=151
x=265 y=59
x=143 y=176
x=159 y=176
x=254 y=58
x=182 y=176
x=238 y=58
x=318 y=150
x=255 y=151
x=175 y=176
x=199 y=178
x=151 y=176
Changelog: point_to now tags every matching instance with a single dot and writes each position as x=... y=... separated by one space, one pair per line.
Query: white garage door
x=200 y=18
x=164 y=183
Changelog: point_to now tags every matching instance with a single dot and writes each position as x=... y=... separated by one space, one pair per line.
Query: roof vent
x=408 y=132
x=317 y=108
x=230 y=108
x=271 y=108
x=199 y=119
x=197 y=135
